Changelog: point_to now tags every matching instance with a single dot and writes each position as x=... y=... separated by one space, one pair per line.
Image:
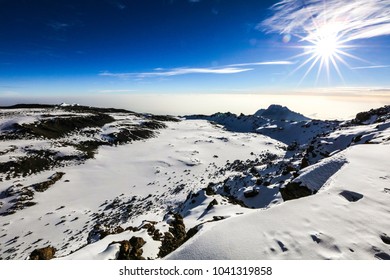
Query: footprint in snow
x=282 y=246
x=315 y=238
x=382 y=256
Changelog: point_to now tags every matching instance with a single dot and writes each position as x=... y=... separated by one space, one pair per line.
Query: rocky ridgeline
x=322 y=140
x=79 y=127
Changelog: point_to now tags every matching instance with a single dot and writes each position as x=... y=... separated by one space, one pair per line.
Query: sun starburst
x=325 y=30
x=323 y=46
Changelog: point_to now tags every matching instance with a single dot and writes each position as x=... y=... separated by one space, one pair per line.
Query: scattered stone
x=259 y=181
x=100 y=231
x=131 y=249
x=46 y=253
x=174 y=238
x=251 y=192
x=210 y=189
x=43 y=186
x=385 y=238
x=212 y=204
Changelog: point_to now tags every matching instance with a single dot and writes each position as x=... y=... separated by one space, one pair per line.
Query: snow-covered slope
x=90 y=183
x=346 y=219
x=127 y=186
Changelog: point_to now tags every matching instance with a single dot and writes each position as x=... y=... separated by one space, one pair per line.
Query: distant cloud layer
x=350 y=19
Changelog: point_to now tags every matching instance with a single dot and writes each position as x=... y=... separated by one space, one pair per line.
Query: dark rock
x=43 y=186
x=381 y=114
x=357 y=138
x=304 y=162
x=154 y=125
x=99 y=232
x=293 y=146
x=137 y=242
x=210 y=189
x=212 y=204
x=259 y=181
x=59 y=127
x=89 y=147
x=385 y=238
x=294 y=190
x=253 y=171
x=174 y=238
x=251 y=192
x=288 y=169
x=46 y=253
x=164 y=118
x=157 y=235
x=266 y=183
x=131 y=249
x=191 y=232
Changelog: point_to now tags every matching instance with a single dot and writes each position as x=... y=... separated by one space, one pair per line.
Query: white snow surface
x=187 y=152
x=138 y=184
x=323 y=226
x=317 y=175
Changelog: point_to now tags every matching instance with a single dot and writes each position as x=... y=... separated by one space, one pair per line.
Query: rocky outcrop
x=23 y=195
x=175 y=237
x=251 y=192
x=46 y=253
x=43 y=186
x=131 y=249
x=374 y=115
x=100 y=231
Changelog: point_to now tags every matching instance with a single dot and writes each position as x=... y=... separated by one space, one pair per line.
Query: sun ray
x=319 y=70
x=324 y=48
x=310 y=68
x=303 y=64
x=334 y=63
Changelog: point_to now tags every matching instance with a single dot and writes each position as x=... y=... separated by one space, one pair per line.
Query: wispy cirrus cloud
x=223 y=70
x=59 y=26
x=177 y=71
x=116 y=90
x=281 y=62
x=371 y=67
x=357 y=19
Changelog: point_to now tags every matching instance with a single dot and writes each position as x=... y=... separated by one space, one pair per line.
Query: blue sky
x=109 y=47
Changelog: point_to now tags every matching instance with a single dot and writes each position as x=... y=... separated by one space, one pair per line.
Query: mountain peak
x=279 y=112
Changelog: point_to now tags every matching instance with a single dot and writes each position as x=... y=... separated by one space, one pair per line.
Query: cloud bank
x=350 y=19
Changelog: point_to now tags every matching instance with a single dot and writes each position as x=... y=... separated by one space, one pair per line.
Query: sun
x=324 y=47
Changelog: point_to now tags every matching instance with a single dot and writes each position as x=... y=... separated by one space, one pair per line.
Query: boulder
x=295 y=190
x=46 y=253
x=131 y=249
x=251 y=192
